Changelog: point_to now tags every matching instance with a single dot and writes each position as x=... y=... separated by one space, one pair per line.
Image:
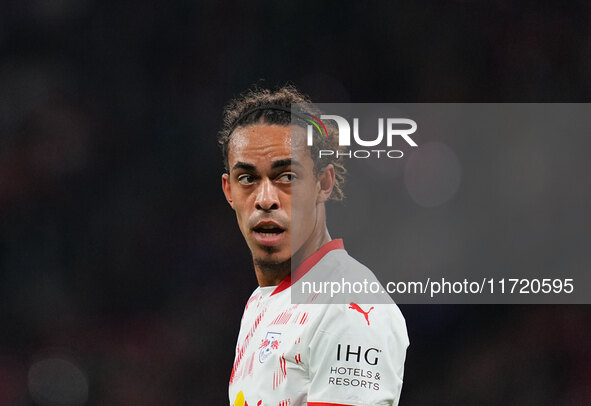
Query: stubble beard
x=272 y=266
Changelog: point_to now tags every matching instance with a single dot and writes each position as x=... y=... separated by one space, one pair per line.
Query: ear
x=326 y=180
x=227 y=189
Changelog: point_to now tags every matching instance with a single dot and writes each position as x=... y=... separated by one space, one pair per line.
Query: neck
x=310 y=247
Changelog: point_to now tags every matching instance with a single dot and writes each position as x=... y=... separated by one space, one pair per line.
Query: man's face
x=265 y=170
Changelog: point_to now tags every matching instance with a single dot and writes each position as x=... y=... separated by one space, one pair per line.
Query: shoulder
x=364 y=320
x=340 y=278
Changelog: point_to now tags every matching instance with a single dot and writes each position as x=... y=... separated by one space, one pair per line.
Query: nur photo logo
x=388 y=130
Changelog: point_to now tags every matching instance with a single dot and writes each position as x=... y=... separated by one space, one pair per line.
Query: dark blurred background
x=123 y=273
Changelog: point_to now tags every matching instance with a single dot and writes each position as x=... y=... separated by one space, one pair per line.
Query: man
x=300 y=353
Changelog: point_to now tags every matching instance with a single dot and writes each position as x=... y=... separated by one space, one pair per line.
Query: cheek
x=303 y=214
x=304 y=198
x=241 y=213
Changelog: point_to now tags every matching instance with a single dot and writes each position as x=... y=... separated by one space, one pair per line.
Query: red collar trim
x=309 y=264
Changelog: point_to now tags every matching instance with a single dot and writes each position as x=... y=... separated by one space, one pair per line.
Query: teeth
x=268 y=234
x=268 y=227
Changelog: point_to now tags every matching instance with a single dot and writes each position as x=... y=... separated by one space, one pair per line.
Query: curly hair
x=249 y=109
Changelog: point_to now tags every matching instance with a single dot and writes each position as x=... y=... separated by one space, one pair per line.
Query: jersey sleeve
x=357 y=356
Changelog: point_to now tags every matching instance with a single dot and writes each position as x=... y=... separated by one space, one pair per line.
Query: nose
x=267 y=197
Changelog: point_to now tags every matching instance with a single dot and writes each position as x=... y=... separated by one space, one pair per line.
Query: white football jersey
x=318 y=354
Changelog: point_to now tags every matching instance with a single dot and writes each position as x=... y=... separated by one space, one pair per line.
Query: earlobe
x=326 y=180
x=227 y=189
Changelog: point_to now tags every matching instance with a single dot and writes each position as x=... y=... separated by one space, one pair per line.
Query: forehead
x=263 y=142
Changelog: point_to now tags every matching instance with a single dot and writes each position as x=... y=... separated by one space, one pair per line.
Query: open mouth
x=268 y=233
x=268 y=230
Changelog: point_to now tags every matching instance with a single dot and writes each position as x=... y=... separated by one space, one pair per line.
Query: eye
x=287 y=177
x=246 y=179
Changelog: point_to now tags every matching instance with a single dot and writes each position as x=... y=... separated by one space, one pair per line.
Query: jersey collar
x=309 y=263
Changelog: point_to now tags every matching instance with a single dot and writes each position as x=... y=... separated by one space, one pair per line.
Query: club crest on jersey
x=268 y=345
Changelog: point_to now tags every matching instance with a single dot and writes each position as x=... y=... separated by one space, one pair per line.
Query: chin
x=275 y=256
x=271 y=257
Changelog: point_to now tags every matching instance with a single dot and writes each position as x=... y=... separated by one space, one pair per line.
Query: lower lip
x=268 y=239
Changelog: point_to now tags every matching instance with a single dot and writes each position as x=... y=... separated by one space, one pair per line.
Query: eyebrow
x=243 y=165
x=276 y=164
x=285 y=162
